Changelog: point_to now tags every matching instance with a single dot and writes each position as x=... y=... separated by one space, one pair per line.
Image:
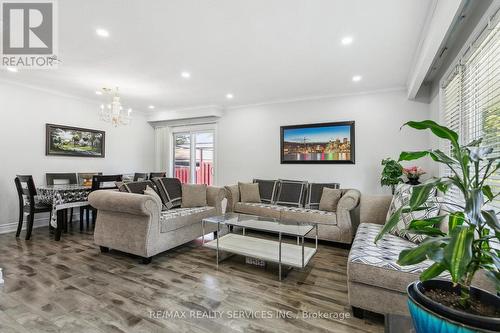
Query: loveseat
x=299 y=201
x=146 y=225
x=375 y=281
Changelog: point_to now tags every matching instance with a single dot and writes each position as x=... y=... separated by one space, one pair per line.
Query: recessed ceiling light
x=347 y=40
x=12 y=69
x=151 y=107
x=229 y=96
x=356 y=78
x=186 y=75
x=98 y=92
x=102 y=32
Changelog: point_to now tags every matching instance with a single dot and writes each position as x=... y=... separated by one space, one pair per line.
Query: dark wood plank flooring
x=69 y=286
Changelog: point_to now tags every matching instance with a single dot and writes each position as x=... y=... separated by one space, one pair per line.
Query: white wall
x=25 y=111
x=249 y=138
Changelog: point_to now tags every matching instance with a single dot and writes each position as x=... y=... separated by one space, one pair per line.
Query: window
x=471 y=99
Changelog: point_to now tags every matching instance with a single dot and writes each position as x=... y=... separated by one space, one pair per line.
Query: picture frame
x=61 y=140
x=320 y=143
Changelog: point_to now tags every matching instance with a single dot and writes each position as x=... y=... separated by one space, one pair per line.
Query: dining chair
x=85 y=178
x=103 y=182
x=63 y=179
x=28 y=203
x=140 y=176
x=157 y=174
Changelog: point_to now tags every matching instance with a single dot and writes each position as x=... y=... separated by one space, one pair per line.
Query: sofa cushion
x=329 y=199
x=314 y=192
x=249 y=192
x=170 y=191
x=308 y=215
x=267 y=190
x=194 y=195
x=291 y=193
x=180 y=217
x=401 y=198
x=259 y=209
x=376 y=264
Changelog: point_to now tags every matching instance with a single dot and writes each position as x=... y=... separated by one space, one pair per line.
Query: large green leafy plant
x=391 y=174
x=471 y=242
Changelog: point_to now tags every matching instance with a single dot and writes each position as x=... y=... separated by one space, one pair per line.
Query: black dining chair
x=28 y=203
x=63 y=179
x=140 y=176
x=103 y=182
x=83 y=179
x=157 y=174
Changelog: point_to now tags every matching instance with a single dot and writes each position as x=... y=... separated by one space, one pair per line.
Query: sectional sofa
x=299 y=201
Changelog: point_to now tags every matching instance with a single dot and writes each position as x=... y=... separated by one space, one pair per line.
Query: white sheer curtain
x=162 y=148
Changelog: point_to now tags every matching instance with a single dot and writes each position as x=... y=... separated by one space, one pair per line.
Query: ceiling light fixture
x=356 y=78
x=151 y=107
x=229 y=96
x=98 y=92
x=186 y=75
x=113 y=112
x=102 y=32
x=12 y=69
x=347 y=40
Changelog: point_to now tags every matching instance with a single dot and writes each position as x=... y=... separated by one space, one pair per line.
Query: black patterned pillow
x=170 y=191
x=136 y=187
x=314 y=192
x=267 y=190
x=291 y=193
x=401 y=198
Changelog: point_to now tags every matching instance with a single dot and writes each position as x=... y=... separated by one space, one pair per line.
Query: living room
x=250 y=166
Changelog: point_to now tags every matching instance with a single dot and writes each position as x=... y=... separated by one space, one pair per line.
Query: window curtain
x=162 y=144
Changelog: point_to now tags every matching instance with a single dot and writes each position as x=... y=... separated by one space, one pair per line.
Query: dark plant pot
x=413 y=181
x=431 y=316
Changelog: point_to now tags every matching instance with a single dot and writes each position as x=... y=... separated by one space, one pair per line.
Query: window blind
x=471 y=100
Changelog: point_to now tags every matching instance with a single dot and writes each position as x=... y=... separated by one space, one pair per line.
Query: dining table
x=62 y=197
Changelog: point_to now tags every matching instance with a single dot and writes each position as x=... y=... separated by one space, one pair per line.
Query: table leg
x=279 y=265
x=60 y=217
x=302 y=251
x=218 y=232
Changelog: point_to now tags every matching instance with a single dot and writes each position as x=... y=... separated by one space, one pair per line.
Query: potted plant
x=413 y=174
x=391 y=174
x=470 y=244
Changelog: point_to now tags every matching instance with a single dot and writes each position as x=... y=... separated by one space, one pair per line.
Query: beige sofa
x=375 y=281
x=336 y=226
x=135 y=223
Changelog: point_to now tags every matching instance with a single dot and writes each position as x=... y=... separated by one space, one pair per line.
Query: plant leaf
x=491 y=220
x=418 y=254
x=412 y=155
x=389 y=225
x=458 y=253
x=438 y=130
x=420 y=194
x=487 y=192
x=455 y=219
x=473 y=205
x=432 y=271
x=431 y=221
x=438 y=156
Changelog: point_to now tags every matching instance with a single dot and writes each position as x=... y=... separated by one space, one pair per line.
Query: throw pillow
x=170 y=191
x=152 y=193
x=249 y=192
x=194 y=195
x=315 y=191
x=330 y=199
x=268 y=190
x=401 y=198
x=291 y=193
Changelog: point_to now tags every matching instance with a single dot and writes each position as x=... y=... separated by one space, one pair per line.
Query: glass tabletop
x=261 y=223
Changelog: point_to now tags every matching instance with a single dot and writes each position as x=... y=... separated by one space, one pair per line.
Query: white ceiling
x=258 y=50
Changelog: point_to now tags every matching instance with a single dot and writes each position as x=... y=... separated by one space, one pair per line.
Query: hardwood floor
x=69 y=286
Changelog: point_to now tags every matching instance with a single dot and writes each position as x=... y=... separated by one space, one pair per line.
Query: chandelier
x=114 y=112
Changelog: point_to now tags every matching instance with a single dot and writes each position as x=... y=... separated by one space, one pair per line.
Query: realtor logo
x=28 y=34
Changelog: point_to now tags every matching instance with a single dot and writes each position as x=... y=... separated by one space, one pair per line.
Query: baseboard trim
x=37 y=223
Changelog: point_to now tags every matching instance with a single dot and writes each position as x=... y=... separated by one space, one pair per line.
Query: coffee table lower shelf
x=264 y=249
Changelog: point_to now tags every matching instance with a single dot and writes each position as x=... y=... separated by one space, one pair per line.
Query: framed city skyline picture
x=324 y=143
x=74 y=141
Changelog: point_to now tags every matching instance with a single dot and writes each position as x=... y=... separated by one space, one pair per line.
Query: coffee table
x=276 y=251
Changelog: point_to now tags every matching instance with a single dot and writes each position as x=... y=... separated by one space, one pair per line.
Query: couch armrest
x=131 y=203
x=374 y=208
x=345 y=214
x=233 y=196
x=215 y=195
